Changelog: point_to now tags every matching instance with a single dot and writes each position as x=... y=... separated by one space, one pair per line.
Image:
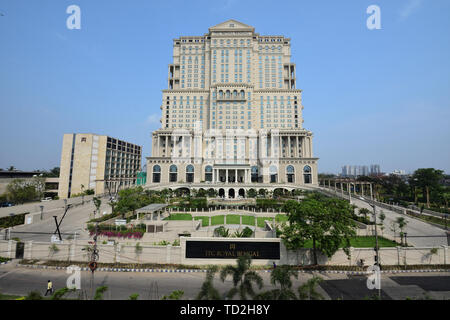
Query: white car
x=46 y=199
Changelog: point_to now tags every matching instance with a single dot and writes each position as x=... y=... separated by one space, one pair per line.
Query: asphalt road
x=74 y=221
x=419 y=233
x=151 y=286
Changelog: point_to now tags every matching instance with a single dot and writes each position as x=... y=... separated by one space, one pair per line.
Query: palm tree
x=308 y=291
x=282 y=276
x=208 y=292
x=243 y=279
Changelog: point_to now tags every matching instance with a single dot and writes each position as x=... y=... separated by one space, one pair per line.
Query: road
x=419 y=233
x=74 y=221
x=151 y=286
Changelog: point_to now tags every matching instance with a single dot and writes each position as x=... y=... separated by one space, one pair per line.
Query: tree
x=243 y=279
x=175 y=295
x=12 y=168
x=97 y=203
x=207 y=291
x=251 y=193
x=428 y=180
x=281 y=276
x=382 y=217
x=21 y=191
x=364 y=212
x=327 y=222
x=59 y=294
x=401 y=222
x=99 y=292
x=308 y=291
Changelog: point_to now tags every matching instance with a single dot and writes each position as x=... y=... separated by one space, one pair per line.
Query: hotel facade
x=232 y=116
x=97 y=162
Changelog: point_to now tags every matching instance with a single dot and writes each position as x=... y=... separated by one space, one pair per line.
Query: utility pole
x=94 y=259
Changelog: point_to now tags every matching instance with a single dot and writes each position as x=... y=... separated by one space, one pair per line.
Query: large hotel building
x=232 y=116
x=97 y=162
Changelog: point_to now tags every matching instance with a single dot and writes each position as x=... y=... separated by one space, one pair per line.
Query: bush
x=34 y=295
x=7 y=222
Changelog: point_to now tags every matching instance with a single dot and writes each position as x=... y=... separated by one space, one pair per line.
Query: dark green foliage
x=7 y=222
x=326 y=221
x=243 y=278
x=207 y=291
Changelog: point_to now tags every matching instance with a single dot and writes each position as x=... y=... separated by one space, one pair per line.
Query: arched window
x=228 y=94
x=255 y=174
x=208 y=173
x=290 y=174
x=242 y=94
x=173 y=173
x=307 y=174
x=235 y=93
x=156 y=174
x=273 y=171
x=221 y=94
x=190 y=173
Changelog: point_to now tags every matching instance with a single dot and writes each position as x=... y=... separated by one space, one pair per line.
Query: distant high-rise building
x=90 y=161
x=354 y=171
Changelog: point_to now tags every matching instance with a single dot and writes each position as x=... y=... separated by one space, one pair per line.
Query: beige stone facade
x=232 y=114
x=98 y=162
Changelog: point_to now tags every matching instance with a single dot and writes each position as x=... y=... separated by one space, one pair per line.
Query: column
x=289 y=146
x=226 y=175
x=235 y=175
x=296 y=147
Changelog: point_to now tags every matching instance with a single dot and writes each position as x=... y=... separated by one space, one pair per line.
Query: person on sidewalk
x=49 y=288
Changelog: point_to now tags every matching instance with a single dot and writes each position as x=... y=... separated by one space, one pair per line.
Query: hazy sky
x=370 y=96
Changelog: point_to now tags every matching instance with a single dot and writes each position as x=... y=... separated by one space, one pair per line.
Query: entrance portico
x=231 y=173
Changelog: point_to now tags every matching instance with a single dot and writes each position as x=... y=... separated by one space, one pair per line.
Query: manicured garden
x=230 y=219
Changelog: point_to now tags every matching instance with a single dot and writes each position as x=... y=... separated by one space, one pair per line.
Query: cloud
x=409 y=8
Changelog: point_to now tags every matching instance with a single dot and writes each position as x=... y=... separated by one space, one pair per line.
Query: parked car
x=6 y=204
x=46 y=199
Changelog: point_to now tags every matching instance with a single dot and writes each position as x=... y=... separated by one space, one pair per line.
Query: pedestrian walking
x=49 y=287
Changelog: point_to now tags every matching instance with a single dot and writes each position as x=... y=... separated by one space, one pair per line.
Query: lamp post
x=42 y=211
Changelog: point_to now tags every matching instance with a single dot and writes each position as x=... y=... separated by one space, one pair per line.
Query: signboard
x=120 y=222
x=55 y=239
x=232 y=249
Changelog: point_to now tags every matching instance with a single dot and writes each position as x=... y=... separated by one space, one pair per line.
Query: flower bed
x=119 y=234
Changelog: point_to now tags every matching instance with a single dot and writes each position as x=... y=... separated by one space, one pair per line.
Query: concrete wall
x=126 y=253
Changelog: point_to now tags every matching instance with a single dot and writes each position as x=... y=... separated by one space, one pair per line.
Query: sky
x=370 y=96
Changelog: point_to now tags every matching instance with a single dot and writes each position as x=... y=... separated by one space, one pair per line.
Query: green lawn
x=230 y=219
x=364 y=242
x=179 y=216
x=205 y=220
x=233 y=219
x=217 y=220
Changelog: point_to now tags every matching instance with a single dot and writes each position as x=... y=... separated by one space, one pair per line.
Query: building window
x=190 y=173
x=307 y=174
x=208 y=174
x=173 y=173
x=273 y=171
x=290 y=173
x=156 y=174
x=255 y=175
